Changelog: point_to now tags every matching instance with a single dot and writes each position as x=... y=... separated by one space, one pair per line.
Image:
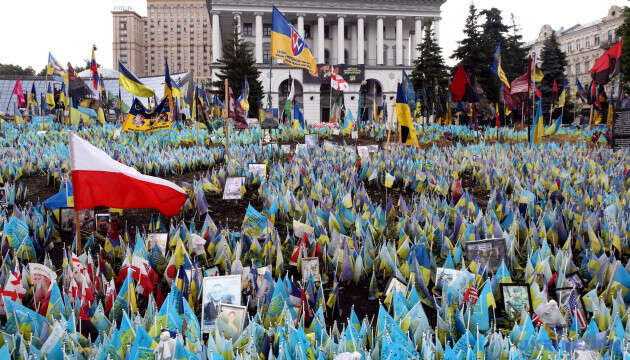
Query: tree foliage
x=623 y=32
x=553 y=63
x=470 y=49
x=10 y=69
x=430 y=65
x=492 y=34
x=237 y=64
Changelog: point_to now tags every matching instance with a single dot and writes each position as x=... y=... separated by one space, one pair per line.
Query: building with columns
x=368 y=42
x=582 y=44
x=176 y=29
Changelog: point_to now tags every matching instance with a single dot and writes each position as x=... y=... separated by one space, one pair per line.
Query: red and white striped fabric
x=337 y=82
x=14 y=288
x=98 y=180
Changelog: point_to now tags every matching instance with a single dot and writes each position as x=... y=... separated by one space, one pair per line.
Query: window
x=326 y=56
x=610 y=36
x=327 y=32
x=570 y=48
x=577 y=68
x=247 y=29
x=266 y=53
x=588 y=43
x=346 y=32
x=569 y=69
x=307 y=31
x=597 y=40
x=577 y=45
x=266 y=29
x=586 y=65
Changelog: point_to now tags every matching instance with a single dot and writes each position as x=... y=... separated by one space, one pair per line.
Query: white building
x=370 y=41
x=582 y=44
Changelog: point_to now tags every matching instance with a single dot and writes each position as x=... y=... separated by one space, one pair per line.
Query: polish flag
x=98 y=180
x=337 y=82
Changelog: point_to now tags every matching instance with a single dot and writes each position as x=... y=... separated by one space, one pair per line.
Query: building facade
x=368 y=42
x=176 y=29
x=582 y=44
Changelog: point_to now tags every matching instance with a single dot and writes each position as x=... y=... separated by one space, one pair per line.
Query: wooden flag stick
x=77 y=230
x=225 y=124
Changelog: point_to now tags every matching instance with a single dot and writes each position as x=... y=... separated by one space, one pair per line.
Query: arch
x=366 y=92
x=283 y=94
x=327 y=95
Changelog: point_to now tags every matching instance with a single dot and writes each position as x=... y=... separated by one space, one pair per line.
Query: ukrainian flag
x=538 y=127
x=403 y=113
x=497 y=69
x=168 y=87
x=132 y=84
x=50 y=98
x=288 y=46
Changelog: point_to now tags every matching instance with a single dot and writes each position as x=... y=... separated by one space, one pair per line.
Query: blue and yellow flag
x=497 y=69
x=348 y=123
x=243 y=99
x=537 y=130
x=139 y=119
x=288 y=46
x=50 y=98
x=131 y=83
x=403 y=113
x=168 y=88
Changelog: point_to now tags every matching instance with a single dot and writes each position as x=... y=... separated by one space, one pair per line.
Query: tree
x=492 y=34
x=237 y=64
x=623 y=32
x=10 y=69
x=430 y=65
x=470 y=50
x=553 y=63
x=514 y=53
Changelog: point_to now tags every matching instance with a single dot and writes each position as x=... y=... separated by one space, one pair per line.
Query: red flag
x=498 y=121
x=17 y=90
x=520 y=85
x=98 y=180
x=458 y=84
x=555 y=86
x=608 y=65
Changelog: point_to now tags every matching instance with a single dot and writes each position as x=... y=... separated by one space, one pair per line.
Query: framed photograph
x=257 y=169
x=3 y=196
x=364 y=152
x=218 y=290
x=355 y=134
x=87 y=219
x=159 y=240
x=373 y=149
x=575 y=281
x=311 y=140
x=233 y=317
x=568 y=298
x=300 y=147
x=102 y=222
x=444 y=276
x=335 y=131
x=488 y=253
x=395 y=284
x=516 y=299
x=286 y=149
x=66 y=219
x=232 y=190
x=310 y=266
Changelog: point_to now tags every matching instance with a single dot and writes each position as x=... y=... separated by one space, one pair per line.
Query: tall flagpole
x=225 y=123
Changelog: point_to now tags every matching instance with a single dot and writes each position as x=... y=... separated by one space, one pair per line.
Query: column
x=436 y=29
x=216 y=37
x=334 y=56
x=409 y=52
x=237 y=17
x=360 y=40
x=379 y=40
x=399 y=40
x=320 y=38
x=419 y=35
x=300 y=24
x=341 y=43
x=353 y=46
x=259 y=37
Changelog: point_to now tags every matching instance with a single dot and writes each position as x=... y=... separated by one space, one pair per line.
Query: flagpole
x=77 y=230
x=225 y=123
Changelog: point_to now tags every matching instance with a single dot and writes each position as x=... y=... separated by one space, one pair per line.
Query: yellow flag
x=538 y=75
x=562 y=98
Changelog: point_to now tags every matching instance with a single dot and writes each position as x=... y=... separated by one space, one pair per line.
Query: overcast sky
x=68 y=28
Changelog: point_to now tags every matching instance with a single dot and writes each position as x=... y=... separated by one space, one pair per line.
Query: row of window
x=587 y=42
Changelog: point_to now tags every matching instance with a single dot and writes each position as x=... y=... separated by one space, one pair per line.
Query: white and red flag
x=337 y=82
x=98 y=180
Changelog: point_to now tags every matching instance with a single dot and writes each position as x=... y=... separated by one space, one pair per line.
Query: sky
x=68 y=28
